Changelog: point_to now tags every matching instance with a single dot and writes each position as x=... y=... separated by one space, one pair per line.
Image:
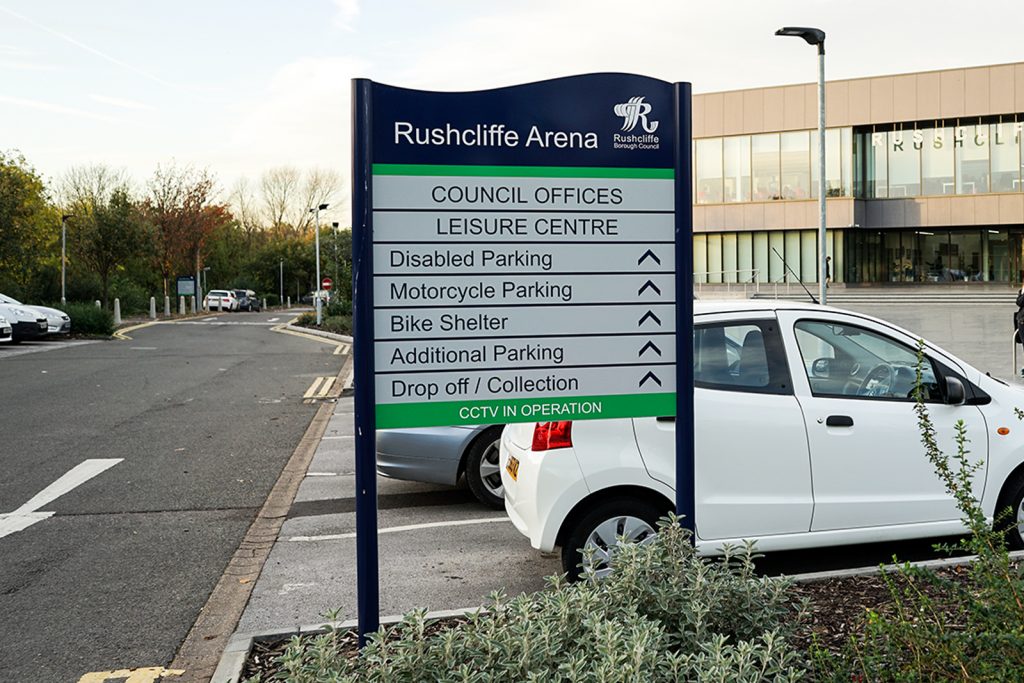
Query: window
x=709 y=171
x=937 y=161
x=877 y=166
x=904 y=164
x=737 y=168
x=846 y=361
x=740 y=356
x=836 y=159
x=971 y=151
x=764 y=151
x=796 y=165
x=1004 y=141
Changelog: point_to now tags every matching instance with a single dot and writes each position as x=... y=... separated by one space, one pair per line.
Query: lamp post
x=206 y=279
x=281 y=275
x=63 y=256
x=815 y=36
x=319 y=309
x=336 y=280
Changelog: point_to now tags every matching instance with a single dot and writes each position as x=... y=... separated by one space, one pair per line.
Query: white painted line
x=321 y=474
x=27 y=514
x=206 y=320
x=273 y=320
x=142 y=348
x=340 y=436
x=396 y=529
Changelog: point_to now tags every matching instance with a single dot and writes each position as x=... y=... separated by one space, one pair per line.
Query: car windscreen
x=4 y=299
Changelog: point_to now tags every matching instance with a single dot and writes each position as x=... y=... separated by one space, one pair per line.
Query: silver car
x=445 y=455
x=57 y=322
x=6 y=331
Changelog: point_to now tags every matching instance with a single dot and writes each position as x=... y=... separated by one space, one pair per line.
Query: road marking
x=340 y=436
x=122 y=334
x=149 y=674
x=273 y=320
x=342 y=349
x=143 y=348
x=28 y=514
x=320 y=388
x=396 y=529
x=206 y=320
x=321 y=474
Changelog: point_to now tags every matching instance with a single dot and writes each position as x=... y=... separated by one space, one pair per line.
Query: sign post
x=516 y=254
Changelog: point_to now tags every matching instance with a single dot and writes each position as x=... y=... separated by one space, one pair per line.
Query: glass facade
x=942 y=158
x=957 y=255
x=895 y=161
x=763 y=256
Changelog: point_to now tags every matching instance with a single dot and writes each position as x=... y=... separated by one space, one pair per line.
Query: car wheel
x=1013 y=498
x=483 y=472
x=633 y=519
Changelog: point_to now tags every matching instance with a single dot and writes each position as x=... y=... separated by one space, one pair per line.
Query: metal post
x=822 y=241
x=280 y=300
x=63 y=257
x=317 y=303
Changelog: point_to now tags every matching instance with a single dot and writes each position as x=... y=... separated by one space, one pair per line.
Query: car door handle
x=666 y=418
x=839 y=421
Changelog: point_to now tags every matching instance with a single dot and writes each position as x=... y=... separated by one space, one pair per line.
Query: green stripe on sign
x=523 y=171
x=448 y=413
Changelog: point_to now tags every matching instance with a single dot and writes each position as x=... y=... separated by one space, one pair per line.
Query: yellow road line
x=314 y=388
x=121 y=333
x=325 y=388
x=149 y=674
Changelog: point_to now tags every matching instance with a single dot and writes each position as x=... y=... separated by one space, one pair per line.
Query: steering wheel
x=878 y=382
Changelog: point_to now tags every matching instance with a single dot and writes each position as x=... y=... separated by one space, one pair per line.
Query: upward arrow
x=649 y=345
x=648 y=285
x=649 y=375
x=649 y=254
x=649 y=315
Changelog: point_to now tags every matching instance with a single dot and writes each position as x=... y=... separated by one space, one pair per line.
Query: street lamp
x=335 y=225
x=281 y=300
x=815 y=36
x=206 y=279
x=319 y=307
x=63 y=255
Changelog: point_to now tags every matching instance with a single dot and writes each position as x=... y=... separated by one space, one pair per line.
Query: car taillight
x=548 y=435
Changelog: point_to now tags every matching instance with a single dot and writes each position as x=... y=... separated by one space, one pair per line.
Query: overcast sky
x=241 y=86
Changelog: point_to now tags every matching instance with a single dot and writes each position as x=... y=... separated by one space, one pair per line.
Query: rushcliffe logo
x=635 y=111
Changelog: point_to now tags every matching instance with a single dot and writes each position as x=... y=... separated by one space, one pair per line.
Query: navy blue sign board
x=521 y=254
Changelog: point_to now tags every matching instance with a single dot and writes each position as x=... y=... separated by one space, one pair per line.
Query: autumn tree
x=105 y=221
x=29 y=225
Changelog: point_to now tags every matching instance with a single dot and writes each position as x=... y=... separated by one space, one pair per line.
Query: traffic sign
x=327 y=283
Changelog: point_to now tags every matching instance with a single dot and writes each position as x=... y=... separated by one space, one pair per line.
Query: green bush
x=338 y=307
x=88 y=319
x=664 y=614
x=940 y=629
x=306 y=320
x=338 y=324
x=273 y=300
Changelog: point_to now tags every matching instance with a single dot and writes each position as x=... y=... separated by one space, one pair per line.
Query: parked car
x=310 y=298
x=247 y=300
x=805 y=436
x=26 y=323
x=445 y=455
x=57 y=322
x=6 y=332
x=220 y=299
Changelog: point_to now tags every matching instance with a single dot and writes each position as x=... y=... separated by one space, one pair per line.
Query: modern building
x=923 y=180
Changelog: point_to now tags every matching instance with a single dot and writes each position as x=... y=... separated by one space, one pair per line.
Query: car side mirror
x=822 y=367
x=955 y=394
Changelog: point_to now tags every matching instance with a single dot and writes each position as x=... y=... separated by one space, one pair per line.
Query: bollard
x=181 y=305
x=289 y=302
x=117 y=312
x=152 y=308
x=193 y=303
x=98 y=304
x=263 y=307
x=167 y=307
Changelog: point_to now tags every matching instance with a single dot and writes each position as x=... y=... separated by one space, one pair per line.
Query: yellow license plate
x=512 y=467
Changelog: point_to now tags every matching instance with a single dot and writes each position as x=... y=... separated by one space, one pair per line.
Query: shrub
x=338 y=324
x=273 y=300
x=338 y=307
x=918 y=641
x=88 y=319
x=664 y=614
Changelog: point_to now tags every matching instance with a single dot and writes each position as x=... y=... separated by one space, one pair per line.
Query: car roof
x=706 y=306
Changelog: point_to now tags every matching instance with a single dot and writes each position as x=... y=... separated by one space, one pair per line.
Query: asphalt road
x=201 y=418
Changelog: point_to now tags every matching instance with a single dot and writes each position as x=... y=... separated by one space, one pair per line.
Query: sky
x=242 y=86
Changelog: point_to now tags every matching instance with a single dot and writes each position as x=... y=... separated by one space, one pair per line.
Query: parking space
x=8 y=350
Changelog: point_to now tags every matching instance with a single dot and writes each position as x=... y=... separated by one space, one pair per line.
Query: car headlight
x=23 y=314
x=64 y=317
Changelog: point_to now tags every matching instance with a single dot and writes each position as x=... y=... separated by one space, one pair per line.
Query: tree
x=109 y=237
x=105 y=228
x=28 y=225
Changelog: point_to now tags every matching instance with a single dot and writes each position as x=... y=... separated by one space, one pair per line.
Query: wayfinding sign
x=523 y=252
x=516 y=254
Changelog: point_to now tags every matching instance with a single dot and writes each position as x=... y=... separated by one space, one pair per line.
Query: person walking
x=1018 y=317
x=828 y=271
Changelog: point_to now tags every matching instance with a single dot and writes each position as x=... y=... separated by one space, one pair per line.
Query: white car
x=806 y=436
x=26 y=323
x=220 y=299
x=6 y=331
x=57 y=322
